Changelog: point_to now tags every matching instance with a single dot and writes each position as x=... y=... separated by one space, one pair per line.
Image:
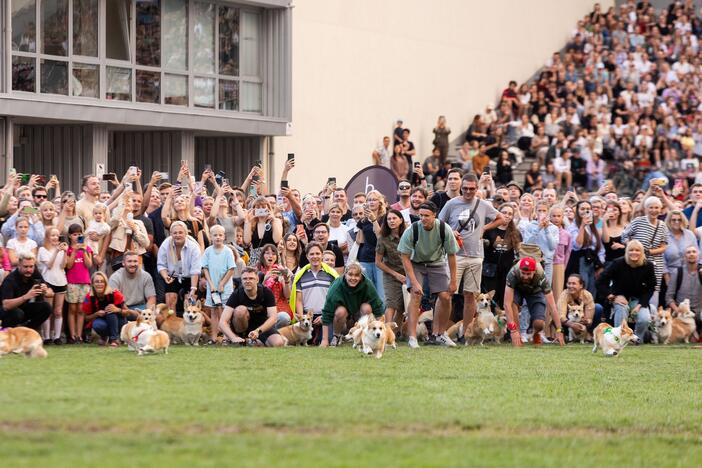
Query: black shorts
x=263 y=336
x=57 y=289
x=179 y=287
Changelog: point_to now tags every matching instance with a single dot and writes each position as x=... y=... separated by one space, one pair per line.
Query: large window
x=187 y=53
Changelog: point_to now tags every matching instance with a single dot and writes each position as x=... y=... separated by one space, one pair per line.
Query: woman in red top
x=105 y=307
x=277 y=278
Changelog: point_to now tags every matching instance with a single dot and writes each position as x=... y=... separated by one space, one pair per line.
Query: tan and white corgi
x=355 y=334
x=484 y=326
x=373 y=336
x=299 y=333
x=193 y=320
x=611 y=339
x=21 y=340
x=683 y=324
x=148 y=316
x=664 y=325
x=147 y=339
x=576 y=314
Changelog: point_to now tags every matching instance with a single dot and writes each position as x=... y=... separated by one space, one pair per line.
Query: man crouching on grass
x=251 y=313
x=525 y=283
x=348 y=297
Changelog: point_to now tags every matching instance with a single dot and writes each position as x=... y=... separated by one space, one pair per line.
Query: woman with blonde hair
x=51 y=262
x=177 y=207
x=261 y=227
x=104 y=310
x=179 y=264
x=653 y=235
x=612 y=235
x=628 y=284
x=369 y=227
x=526 y=212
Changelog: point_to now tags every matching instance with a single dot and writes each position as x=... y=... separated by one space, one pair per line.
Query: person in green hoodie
x=349 y=297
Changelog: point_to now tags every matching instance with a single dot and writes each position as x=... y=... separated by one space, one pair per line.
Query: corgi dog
x=576 y=314
x=372 y=335
x=664 y=325
x=356 y=335
x=484 y=326
x=21 y=340
x=611 y=339
x=147 y=339
x=298 y=333
x=148 y=316
x=683 y=324
x=173 y=325
x=193 y=319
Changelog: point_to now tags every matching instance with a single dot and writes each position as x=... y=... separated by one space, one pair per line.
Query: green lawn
x=333 y=407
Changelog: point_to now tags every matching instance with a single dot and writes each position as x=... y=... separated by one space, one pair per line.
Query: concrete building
x=93 y=85
x=359 y=65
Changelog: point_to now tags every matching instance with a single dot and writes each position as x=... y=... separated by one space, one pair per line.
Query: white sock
x=58 y=327
x=45 y=327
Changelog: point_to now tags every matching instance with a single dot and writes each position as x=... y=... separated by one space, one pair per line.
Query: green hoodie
x=341 y=294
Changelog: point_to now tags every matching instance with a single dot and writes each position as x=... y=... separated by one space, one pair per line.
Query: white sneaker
x=544 y=339
x=444 y=340
x=525 y=338
x=412 y=342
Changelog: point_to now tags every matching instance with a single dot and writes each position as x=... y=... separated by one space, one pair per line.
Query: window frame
x=102 y=62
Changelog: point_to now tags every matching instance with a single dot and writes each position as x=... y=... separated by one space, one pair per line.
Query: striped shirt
x=313 y=287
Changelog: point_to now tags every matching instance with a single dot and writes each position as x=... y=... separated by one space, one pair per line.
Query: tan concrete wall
x=359 y=64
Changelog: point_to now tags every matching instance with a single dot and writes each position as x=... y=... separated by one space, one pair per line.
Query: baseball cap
x=527 y=264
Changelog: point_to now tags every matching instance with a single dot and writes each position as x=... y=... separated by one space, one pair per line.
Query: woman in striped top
x=653 y=235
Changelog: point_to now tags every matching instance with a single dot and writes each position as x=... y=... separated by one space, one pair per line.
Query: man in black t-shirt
x=22 y=296
x=251 y=313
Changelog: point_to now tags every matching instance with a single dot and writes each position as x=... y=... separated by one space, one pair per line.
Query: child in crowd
x=21 y=243
x=78 y=264
x=218 y=267
x=329 y=258
x=97 y=231
x=560 y=257
x=51 y=262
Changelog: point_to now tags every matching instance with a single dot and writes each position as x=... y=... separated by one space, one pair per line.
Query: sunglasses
x=41 y=196
x=404 y=187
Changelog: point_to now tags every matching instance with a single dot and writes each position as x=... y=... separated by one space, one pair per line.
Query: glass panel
x=24 y=26
x=54 y=77
x=119 y=84
x=86 y=80
x=85 y=27
x=228 y=41
x=175 y=35
x=203 y=92
x=175 y=90
x=148 y=33
x=148 y=86
x=250 y=43
x=117 y=27
x=54 y=27
x=203 y=38
x=23 y=73
x=251 y=97
x=228 y=95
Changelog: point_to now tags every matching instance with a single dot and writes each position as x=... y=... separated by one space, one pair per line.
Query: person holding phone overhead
x=261 y=228
x=78 y=263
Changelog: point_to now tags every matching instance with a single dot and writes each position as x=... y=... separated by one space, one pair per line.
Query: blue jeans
x=587 y=271
x=109 y=326
x=375 y=275
x=643 y=318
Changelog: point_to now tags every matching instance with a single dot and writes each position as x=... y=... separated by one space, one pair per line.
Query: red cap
x=527 y=264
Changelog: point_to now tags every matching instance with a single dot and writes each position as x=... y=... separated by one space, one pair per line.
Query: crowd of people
x=606 y=217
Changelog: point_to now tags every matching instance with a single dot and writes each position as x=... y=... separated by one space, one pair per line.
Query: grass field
x=313 y=407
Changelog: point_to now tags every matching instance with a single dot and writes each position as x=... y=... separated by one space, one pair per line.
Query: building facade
x=88 y=86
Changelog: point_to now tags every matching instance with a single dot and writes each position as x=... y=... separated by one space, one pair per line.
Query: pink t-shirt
x=78 y=273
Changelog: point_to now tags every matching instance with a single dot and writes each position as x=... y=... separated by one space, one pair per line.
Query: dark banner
x=373 y=178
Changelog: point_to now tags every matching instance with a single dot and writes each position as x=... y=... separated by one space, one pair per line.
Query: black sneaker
x=431 y=341
x=57 y=342
x=461 y=340
x=47 y=342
